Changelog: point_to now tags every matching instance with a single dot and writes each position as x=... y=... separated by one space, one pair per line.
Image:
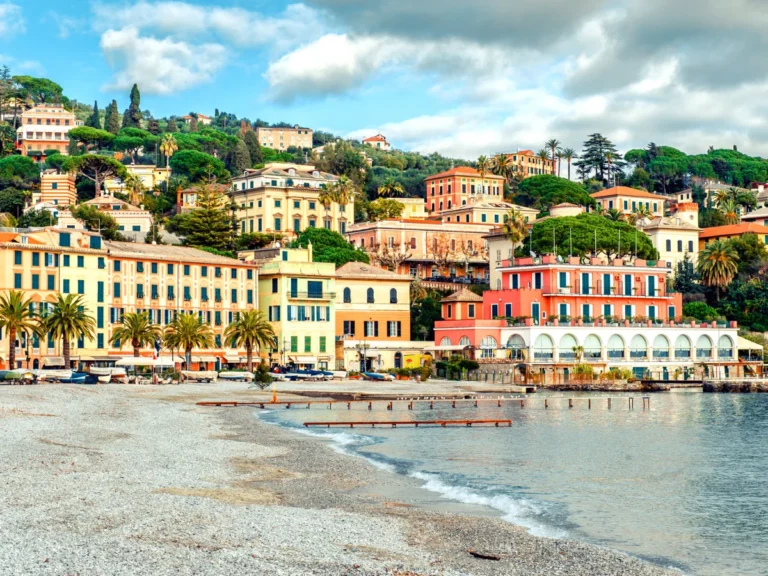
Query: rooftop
x=463 y=171
x=377 y=138
x=112 y=201
x=366 y=271
x=489 y=205
x=674 y=222
x=626 y=191
x=463 y=295
x=755 y=214
x=165 y=252
x=283 y=170
x=733 y=230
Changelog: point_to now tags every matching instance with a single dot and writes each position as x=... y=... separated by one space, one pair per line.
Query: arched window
x=347 y=296
x=544 y=348
x=660 y=347
x=704 y=347
x=488 y=346
x=593 y=347
x=516 y=345
x=565 y=349
x=638 y=348
x=725 y=347
x=616 y=346
x=370 y=298
x=446 y=341
x=465 y=341
x=682 y=347
x=393 y=296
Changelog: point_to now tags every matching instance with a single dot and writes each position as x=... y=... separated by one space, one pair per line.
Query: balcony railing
x=295 y=295
x=614 y=291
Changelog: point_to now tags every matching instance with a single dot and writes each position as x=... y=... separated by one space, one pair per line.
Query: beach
x=125 y=480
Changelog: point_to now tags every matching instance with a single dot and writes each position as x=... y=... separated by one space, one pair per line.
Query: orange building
x=45 y=127
x=458 y=186
x=528 y=164
x=707 y=235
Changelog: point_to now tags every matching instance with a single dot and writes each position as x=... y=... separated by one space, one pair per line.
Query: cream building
x=413 y=208
x=675 y=236
x=45 y=127
x=56 y=188
x=284 y=138
x=133 y=222
x=149 y=175
x=379 y=142
x=483 y=211
x=285 y=198
x=628 y=200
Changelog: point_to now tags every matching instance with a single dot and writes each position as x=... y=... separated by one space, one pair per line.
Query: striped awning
x=233 y=358
x=204 y=359
x=50 y=361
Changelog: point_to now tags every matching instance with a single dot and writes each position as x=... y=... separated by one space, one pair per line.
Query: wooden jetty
x=416 y=423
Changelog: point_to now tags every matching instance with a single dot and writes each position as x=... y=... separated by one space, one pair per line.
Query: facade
x=285 y=199
x=628 y=200
x=57 y=188
x=565 y=209
x=550 y=316
x=201 y=118
x=298 y=296
x=486 y=212
x=130 y=219
x=150 y=176
x=413 y=208
x=373 y=318
x=528 y=164
x=379 y=142
x=729 y=231
x=284 y=138
x=459 y=186
x=424 y=248
x=45 y=127
x=675 y=236
x=759 y=216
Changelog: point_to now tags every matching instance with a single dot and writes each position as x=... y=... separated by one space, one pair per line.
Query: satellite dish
x=533 y=254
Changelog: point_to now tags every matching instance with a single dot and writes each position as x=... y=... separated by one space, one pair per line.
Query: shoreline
x=118 y=480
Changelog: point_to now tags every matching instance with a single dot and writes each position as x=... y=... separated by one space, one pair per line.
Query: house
x=628 y=200
x=729 y=231
x=481 y=211
x=759 y=216
x=201 y=119
x=150 y=176
x=459 y=186
x=132 y=221
x=281 y=138
x=45 y=127
x=56 y=188
x=674 y=236
x=379 y=142
x=529 y=164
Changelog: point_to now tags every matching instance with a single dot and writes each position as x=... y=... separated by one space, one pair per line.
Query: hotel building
x=628 y=200
x=460 y=186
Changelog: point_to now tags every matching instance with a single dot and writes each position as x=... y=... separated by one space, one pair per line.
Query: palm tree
x=543 y=155
x=326 y=198
x=68 y=319
x=730 y=211
x=569 y=154
x=559 y=161
x=640 y=213
x=553 y=145
x=186 y=332
x=135 y=188
x=391 y=188
x=250 y=330
x=168 y=147
x=578 y=352
x=723 y=196
x=501 y=165
x=483 y=167
x=514 y=226
x=16 y=318
x=138 y=330
x=344 y=191
x=614 y=215
x=717 y=264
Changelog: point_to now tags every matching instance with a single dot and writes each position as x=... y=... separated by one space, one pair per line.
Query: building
x=285 y=199
x=413 y=208
x=150 y=176
x=379 y=142
x=201 y=119
x=425 y=248
x=529 y=164
x=281 y=138
x=45 y=127
x=373 y=319
x=482 y=211
x=565 y=209
x=57 y=188
x=550 y=315
x=759 y=216
x=729 y=231
x=675 y=236
x=459 y=186
x=132 y=221
x=628 y=200
x=186 y=200
x=298 y=296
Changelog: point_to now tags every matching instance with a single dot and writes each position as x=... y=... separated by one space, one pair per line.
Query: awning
x=133 y=361
x=445 y=348
x=204 y=359
x=51 y=361
x=745 y=344
x=233 y=359
x=86 y=358
x=303 y=359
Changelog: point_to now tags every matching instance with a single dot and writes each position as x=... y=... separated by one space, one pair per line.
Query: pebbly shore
x=118 y=480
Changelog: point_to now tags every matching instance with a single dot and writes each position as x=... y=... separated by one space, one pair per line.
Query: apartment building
x=729 y=231
x=45 y=127
x=528 y=164
x=460 y=186
x=132 y=220
x=150 y=176
x=675 y=236
x=486 y=212
x=57 y=188
x=283 y=138
x=628 y=200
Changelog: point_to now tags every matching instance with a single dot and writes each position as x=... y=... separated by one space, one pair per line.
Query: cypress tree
x=240 y=159
x=112 y=119
x=172 y=127
x=95 y=120
x=254 y=148
x=132 y=115
x=153 y=126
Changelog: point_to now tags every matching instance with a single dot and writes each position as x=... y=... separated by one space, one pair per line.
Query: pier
x=415 y=423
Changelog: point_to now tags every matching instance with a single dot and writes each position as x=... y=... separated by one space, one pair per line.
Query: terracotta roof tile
x=463 y=295
x=463 y=171
x=733 y=230
x=362 y=270
x=626 y=191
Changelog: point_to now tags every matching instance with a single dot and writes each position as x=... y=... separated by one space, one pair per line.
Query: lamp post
x=26 y=337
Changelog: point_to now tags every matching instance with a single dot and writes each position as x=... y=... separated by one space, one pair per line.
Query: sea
x=683 y=483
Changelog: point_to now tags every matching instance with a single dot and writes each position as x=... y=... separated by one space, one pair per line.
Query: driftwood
x=483 y=556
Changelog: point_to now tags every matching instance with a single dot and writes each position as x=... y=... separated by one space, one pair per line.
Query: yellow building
x=134 y=222
x=529 y=164
x=45 y=127
x=486 y=212
x=57 y=188
x=284 y=198
x=628 y=200
x=283 y=138
x=298 y=296
x=149 y=175
x=729 y=231
x=675 y=236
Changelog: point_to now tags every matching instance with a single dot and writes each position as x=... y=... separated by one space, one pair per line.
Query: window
x=450 y=310
x=679 y=245
x=55 y=185
x=115 y=290
x=116 y=266
x=234 y=296
x=170 y=268
x=371 y=328
x=65 y=287
x=349 y=327
x=671 y=313
x=155 y=292
x=171 y=294
x=217 y=294
x=307 y=343
x=187 y=293
x=690 y=245
x=81 y=261
x=65 y=239
x=294 y=343
x=274 y=286
x=100 y=341
x=537 y=280
x=66 y=260
x=81 y=286
x=153 y=268
x=100 y=317
x=139 y=290
x=322 y=344
x=394 y=328
x=249 y=296
x=274 y=313
x=35 y=281
x=217 y=272
x=249 y=274
x=233 y=274
x=515 y=281
x=669 y=245
x=204 y=271
x=314 y=289
x=370 y=297
x=297 y=224
x=277 y=203
x=186 y=269
x=139 y=267
x=204 y=294
x=217 y=318
x=100 y=291
x=278 y=225
x=393 y=296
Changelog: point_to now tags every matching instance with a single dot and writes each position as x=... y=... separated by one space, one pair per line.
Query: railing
x=311 y=295
x=615 y=291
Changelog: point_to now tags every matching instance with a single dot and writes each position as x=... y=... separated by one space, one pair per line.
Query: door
x=651 y=285
x=535 y=313
x=585 y=283
x=398 y=360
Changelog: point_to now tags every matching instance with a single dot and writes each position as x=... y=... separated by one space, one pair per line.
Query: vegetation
x=97 y=220
x=546 y=190
x=250 y=330
x=69 y=319
x=16 y=318
x=330 y=246
x=209 y=225
x=137 y=329
x=717 y=264
x=187 y=332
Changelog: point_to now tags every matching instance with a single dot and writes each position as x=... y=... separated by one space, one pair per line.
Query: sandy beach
x=120 y=480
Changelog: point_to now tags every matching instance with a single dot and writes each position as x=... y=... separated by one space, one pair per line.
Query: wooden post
x=589 y=403
x=370 y=406
x=546 y=403
x=609 y=403
x=570 y=402
x=522 y=403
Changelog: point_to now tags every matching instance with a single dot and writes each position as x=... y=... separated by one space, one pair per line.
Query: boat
x=105 y=375
x=52 y=375
x=76 y=378
x=376 y=377
x=199 y=376
x=14 y=376
x=236 y=376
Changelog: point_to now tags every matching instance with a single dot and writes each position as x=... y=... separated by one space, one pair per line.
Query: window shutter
x=399 y=328
x=376 y=329
x=352 y=323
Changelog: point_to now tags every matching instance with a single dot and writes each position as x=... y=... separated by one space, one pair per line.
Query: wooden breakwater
x=741 y=386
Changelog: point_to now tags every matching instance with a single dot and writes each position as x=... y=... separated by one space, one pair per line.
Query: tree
x=112 y=118
x=168 y=147
x=198 y=166
x=250 y=330
x=7 y=139
x=69 y=319
x=172 y=126
x=97 y=220
x=36 y=219
x=383 y=209
x=501 y=165
x=730 y=211
x=40 y=90
x=391 y=188
x=569 y=155
x=752 y=253
x=330 y=246
x=132 y=116
x=686 y=280
x=95 y=168
x=441 y=250
x=240 y=159
x=543 y=191
x=717 y=264
x=344 y=190
x=700 y=311
x=94 y=120
x=254 y=148
x=193 y=124
x=543 y=155
x=187 y=332
x=132 y=140
x=209 y=224
x=16 y=317
x=595 y=156
x=136 y=329
x=483 y=167
x=153 y=126
x=514 y=227
x=424 y=314
x=553 y=144
x=12 y=201
x=135 y=188
x=21 y=167
x=91 y=138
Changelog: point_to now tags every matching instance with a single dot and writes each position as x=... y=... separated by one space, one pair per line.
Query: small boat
x=75 y=378
x=106 y=375
x=376 y=377
x=53 y=375
x=14 y=376
x=199 y=376
x=237 y=376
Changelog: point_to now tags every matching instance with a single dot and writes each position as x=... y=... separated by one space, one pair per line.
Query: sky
x=450 y=76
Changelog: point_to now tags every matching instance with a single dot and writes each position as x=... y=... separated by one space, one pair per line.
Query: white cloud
x=22 y=66
x=11 y=20
x=159 y=66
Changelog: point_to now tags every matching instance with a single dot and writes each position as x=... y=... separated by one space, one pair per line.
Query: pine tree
x=240 y=160
x=112 y=120
x=95 y=120
x=172 y=127
x=601 y=157
x=686 y=279
x=132 y=116
x=209 y=224
x=254 y=148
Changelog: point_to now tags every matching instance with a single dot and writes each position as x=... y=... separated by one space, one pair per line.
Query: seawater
x=684 y=484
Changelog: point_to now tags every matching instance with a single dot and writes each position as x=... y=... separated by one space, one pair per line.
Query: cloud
x=11 y=20
x=159 y=66
x=26 y=66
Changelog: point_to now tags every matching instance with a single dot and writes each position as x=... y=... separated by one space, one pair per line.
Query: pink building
x=459 y=186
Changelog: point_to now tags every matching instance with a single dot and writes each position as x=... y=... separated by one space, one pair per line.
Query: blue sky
x=435 y=75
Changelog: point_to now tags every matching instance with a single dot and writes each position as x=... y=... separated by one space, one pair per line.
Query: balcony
x=293 y=295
